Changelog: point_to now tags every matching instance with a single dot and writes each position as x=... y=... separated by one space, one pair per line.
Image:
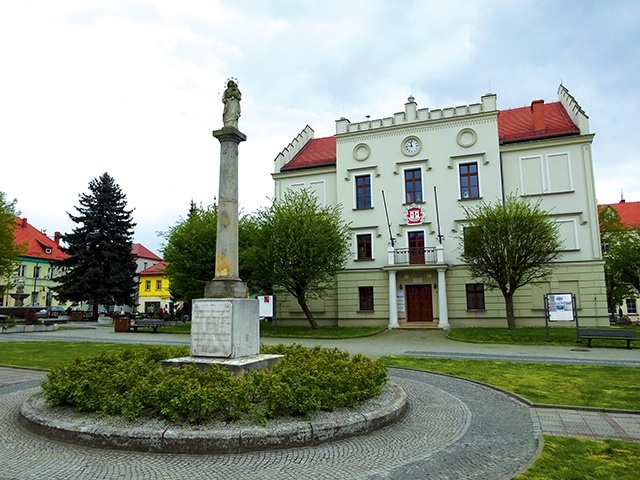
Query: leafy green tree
x=101 y=268
x=508 y=245
x=300 y=247
x=9 y=250
x=190 y=253
x=621 y=254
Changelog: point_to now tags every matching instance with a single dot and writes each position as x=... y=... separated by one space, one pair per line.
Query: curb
x=162 y=437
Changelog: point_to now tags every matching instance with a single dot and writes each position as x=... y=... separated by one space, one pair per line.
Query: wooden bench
x=591 y=333
x=145 y=323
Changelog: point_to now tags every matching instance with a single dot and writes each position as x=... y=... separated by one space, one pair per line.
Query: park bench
x=591 y=333
x=145 y=323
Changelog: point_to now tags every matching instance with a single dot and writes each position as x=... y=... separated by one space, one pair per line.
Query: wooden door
x=416 y=248
x=419 y=303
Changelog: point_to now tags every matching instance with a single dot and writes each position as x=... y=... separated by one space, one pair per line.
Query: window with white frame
x=158 y=284
x=364 y=246
x=22 y=270
x=631 y=306
x=36 y=271
x=413 y=185
x=147 y=285
x=50 y=273
x=468 y=175
x=363 y=191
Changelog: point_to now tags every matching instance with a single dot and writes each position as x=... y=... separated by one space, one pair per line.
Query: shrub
x=132 y=383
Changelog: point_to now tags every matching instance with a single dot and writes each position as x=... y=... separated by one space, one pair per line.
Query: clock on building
x=411 y=146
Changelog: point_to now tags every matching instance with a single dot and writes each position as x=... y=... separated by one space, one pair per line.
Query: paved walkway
x=454 y=429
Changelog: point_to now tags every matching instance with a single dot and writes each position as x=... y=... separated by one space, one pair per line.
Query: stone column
x=393 y=300
x=227 y=282
x=442 y=300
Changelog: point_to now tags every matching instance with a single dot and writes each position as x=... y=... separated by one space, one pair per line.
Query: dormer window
x=48 y=250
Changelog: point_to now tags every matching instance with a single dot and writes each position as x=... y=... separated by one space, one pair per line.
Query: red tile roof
x=319 y=152
x=38 y=244
x=540 y=120
x=629 y=212
x=140 y=251
x=157 y=269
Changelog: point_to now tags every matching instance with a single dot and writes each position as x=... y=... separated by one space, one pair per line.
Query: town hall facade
x=403 y=182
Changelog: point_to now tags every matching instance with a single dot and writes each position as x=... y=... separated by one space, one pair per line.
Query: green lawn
x=562 y=458
x=305 y=331
x=565 y=458
x=582 y=385
x=535 y=336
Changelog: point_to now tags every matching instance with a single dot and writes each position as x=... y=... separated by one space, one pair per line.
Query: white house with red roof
x=629 y=214
x=35 y=271
x=419 y=168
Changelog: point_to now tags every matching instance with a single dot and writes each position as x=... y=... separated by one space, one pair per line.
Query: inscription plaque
x=211 y=329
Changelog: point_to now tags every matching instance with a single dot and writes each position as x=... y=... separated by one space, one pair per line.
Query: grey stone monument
x=225 y=325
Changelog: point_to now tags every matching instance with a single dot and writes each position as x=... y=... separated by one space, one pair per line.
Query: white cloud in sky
x=133 y=87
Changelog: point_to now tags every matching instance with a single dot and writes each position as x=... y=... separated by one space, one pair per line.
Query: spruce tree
x=101 y=268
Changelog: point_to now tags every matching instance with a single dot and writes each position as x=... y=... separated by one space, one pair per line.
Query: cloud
x=133 y=88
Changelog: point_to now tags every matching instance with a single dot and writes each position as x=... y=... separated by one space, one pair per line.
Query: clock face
x=411 y=146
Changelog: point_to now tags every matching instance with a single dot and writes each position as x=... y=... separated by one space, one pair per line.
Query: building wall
x=556 y=172
x=153 y=294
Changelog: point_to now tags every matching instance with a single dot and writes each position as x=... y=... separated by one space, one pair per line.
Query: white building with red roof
x=35 y=271
x=421 y=167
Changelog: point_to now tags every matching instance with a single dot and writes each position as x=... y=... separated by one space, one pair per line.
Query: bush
x=132 y=383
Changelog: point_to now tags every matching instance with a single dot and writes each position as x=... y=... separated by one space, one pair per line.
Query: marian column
x=225 y=325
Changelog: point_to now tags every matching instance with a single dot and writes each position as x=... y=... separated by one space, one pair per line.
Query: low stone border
x=30 y=328
x=159 y=436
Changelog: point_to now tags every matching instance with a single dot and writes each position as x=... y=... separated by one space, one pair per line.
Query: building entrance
x=419 y=303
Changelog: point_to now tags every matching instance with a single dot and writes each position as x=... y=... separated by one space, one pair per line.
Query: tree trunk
x=94 y=312
x=308 y=314
x=511 y=315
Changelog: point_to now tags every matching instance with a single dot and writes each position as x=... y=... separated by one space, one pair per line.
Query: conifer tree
x=101 y=268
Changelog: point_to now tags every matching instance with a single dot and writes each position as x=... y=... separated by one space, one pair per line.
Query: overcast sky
x=133 y=88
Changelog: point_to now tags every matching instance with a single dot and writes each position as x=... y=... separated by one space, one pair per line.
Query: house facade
x=629 y=214
x=403 y=182
x=36 y=275
x=153 y=293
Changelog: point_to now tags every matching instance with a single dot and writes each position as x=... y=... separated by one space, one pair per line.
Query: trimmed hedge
x=132 y=383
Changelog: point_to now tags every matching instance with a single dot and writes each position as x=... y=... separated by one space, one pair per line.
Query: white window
x=22 y=270
x=550 y=173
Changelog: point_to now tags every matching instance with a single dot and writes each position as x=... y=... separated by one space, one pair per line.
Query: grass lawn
x=565 y=458
x=46 y=355
x=535 y=336
x=575 y=385
x=305 y=331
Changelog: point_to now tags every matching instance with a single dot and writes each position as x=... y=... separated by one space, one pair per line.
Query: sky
x=133 y=88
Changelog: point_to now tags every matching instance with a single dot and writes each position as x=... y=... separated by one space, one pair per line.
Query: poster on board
x=560 y=307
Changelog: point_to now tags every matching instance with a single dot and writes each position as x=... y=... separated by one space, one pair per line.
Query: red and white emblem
x=414 y=215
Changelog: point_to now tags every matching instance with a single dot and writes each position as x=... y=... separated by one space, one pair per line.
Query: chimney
x=23 y=224
x=537 y=111
x=56 y=237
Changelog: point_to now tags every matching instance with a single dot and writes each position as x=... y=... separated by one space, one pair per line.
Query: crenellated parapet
x=291 y=150
x=574 y=109
x=412 y=114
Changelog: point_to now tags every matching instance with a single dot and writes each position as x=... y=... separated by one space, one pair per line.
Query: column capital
x=229 y=134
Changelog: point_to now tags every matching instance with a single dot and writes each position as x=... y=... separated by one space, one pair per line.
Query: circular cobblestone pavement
x=454 y=429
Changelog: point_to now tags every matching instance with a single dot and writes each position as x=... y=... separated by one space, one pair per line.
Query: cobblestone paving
x=589 y=424
x=454 y=430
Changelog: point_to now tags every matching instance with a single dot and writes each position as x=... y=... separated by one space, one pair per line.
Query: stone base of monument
x=225 y=327
x=225 y=332
x=237 y=366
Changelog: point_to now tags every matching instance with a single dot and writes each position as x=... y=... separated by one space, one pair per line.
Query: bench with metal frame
x=591 y=333
x=145 y=323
